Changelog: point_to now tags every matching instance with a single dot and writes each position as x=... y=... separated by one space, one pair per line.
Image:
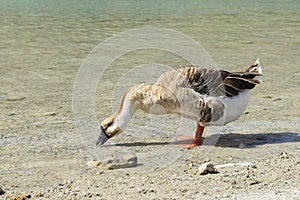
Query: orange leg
x=198 y=137
x=197 y=140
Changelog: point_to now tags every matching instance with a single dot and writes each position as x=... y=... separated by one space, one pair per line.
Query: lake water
x=234 y=32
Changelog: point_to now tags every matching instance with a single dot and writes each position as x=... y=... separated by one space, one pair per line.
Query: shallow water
x=58 y=31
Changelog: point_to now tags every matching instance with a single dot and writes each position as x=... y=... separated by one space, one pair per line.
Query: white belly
x=234 y=108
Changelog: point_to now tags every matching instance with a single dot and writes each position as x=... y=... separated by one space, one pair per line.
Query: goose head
x=116 y=123
x=108 y=129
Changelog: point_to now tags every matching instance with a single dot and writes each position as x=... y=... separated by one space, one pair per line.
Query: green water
x=232 y=31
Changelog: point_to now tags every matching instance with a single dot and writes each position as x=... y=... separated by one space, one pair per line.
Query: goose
x=209 y=96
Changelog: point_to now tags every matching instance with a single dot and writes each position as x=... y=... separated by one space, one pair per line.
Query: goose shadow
x=232 y=140
x=239 y=140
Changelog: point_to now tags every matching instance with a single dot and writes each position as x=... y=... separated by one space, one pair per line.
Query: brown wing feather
x=239 y=81
x=209 y=81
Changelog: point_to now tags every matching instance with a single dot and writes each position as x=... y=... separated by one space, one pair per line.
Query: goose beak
x=103 y=137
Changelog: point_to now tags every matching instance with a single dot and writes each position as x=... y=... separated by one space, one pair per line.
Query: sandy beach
x=43 y=155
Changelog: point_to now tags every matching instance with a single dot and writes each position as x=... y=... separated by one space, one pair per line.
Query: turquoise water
x=73 y=28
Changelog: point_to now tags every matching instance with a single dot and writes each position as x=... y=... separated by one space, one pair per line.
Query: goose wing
x=239 y=81
x=209 y=81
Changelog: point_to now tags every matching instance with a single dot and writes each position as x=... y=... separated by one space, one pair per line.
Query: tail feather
x=238 y=81
x=255 y=67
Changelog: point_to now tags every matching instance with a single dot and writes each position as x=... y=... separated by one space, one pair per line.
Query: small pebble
x=267 y=97
x=115 y=162
x=93 y=163
x=50 y=113
x=254 y=182
x=233 y=182
x=39 y=194
x=284 y=155
x=21 y=197
x=226 y=196
x=206 y=168
x=15 y=98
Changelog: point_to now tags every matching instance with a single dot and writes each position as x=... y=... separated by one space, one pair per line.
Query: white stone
x=205 y=168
